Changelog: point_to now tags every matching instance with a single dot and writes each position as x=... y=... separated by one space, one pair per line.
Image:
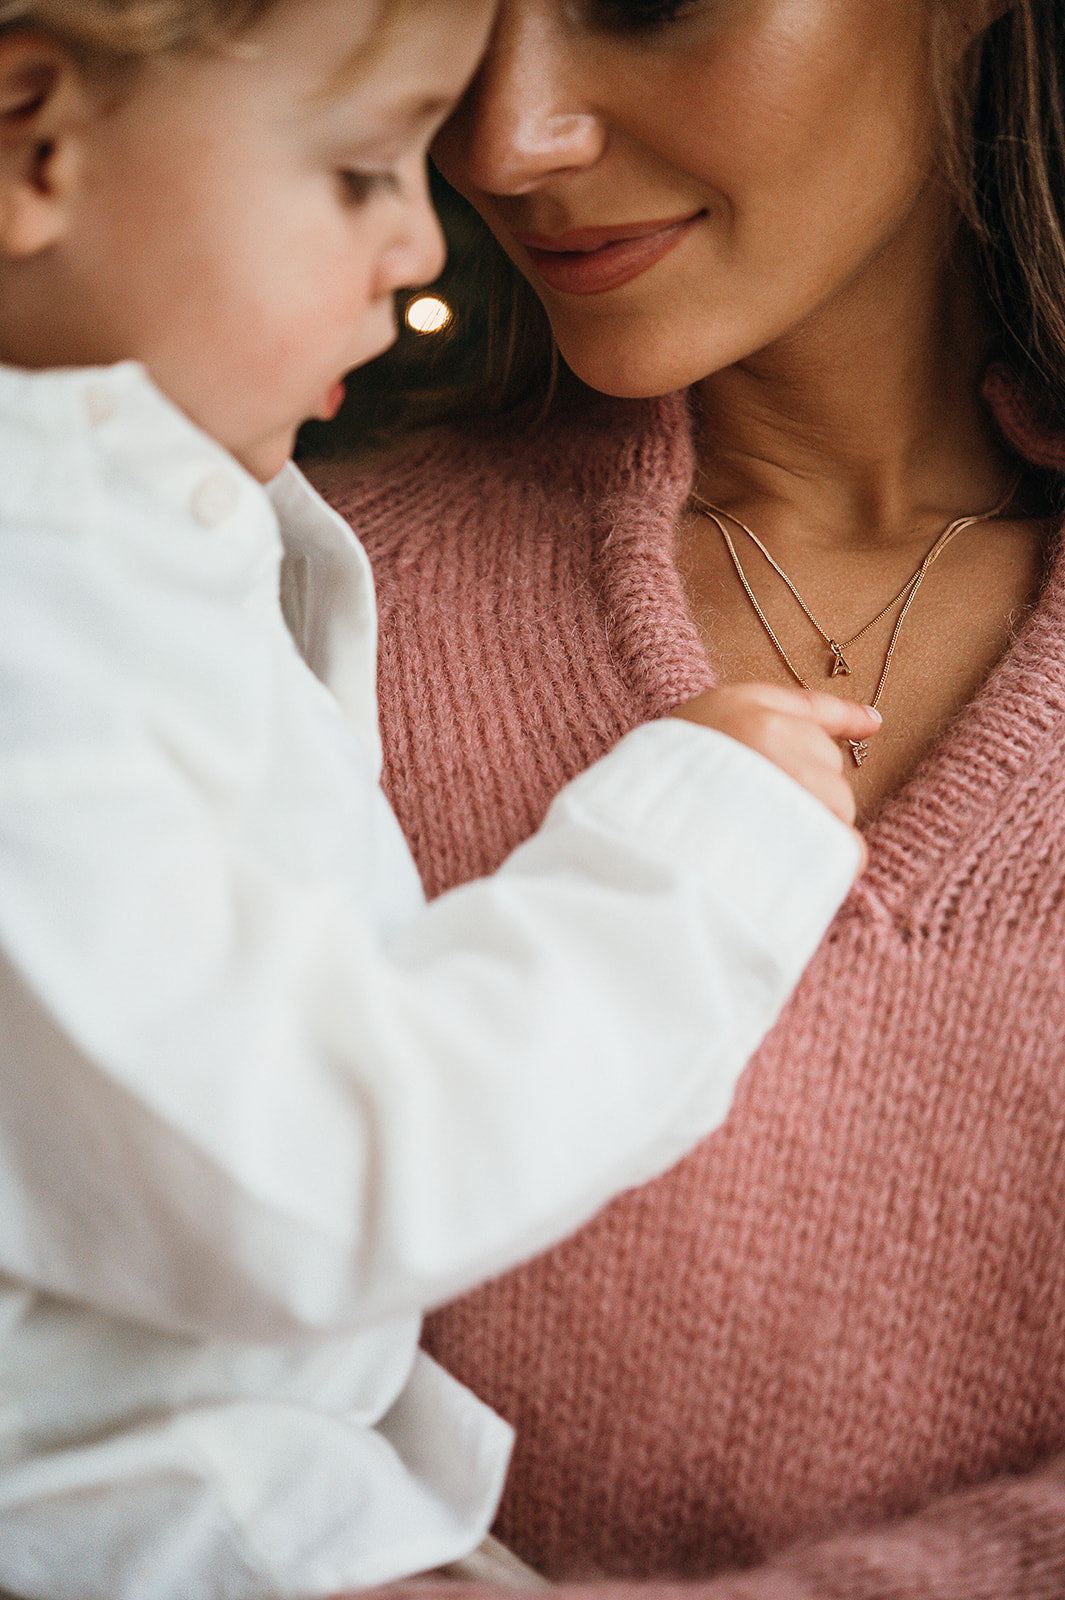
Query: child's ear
x=43 y=105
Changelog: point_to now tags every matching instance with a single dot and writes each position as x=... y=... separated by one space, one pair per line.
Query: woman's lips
x=592 y=260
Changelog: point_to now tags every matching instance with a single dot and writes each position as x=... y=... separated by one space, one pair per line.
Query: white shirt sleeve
x=236 y=1104
x=212 y=1068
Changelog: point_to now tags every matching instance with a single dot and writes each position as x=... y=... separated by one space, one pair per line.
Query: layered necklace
x=838 y=666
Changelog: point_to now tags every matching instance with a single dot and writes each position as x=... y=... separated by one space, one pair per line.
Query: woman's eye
x=637 y=16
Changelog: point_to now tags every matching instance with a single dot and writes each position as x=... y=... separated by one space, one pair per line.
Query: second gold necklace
x=904 y=597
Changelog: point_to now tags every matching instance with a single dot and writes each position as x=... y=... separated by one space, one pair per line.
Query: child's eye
x=360 y=187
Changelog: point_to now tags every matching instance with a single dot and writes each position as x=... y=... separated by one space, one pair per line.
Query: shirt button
x=214 y=499
x=99 y=404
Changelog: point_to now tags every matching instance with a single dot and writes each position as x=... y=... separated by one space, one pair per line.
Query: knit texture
x=847 y=1305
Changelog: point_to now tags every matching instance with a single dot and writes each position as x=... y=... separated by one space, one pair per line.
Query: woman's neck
x=866 y=423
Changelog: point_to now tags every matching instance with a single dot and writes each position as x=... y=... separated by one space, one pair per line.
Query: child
x=261 y=1106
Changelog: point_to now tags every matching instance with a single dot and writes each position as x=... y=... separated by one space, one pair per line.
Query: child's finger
x=841 y=719
x=827 y=784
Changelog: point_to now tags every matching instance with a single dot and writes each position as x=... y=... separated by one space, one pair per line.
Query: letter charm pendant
x=840 y=667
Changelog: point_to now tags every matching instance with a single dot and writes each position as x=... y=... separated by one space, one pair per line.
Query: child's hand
x=795 y=729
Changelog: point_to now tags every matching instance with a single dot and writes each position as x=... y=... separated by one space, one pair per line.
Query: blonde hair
x=1002 y=115
x=118 y=34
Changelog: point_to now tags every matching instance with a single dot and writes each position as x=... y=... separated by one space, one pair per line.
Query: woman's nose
x=526 y=117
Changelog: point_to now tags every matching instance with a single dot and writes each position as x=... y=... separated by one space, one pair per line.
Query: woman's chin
x=632 y=367
x=629 y=381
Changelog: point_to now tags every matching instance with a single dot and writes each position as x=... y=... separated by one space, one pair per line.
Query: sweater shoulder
x=453 y=479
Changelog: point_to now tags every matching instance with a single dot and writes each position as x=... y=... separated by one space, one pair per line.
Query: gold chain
x=839 y=666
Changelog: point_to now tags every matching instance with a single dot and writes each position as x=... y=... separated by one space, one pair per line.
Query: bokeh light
x=428 y=314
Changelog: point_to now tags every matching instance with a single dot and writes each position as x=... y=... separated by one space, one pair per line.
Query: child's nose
x=417 y=253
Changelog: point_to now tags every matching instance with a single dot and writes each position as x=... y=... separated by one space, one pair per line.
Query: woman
x=829 y=1348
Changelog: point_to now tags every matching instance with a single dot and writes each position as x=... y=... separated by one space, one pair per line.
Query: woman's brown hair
x=1005 y=144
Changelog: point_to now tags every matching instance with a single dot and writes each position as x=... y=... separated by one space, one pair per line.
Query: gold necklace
x=839 y=666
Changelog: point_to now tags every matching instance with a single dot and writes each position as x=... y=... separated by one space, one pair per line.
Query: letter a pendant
x=840 y=667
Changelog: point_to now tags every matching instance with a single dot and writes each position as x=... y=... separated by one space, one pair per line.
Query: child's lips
x=332 y=402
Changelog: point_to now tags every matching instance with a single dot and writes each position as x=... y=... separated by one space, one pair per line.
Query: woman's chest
x=868 y=625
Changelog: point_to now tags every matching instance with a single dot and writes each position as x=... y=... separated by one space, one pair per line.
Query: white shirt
x=260 y=1106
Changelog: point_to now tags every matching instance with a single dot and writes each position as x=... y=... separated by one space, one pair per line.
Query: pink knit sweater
x=829 y=1346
